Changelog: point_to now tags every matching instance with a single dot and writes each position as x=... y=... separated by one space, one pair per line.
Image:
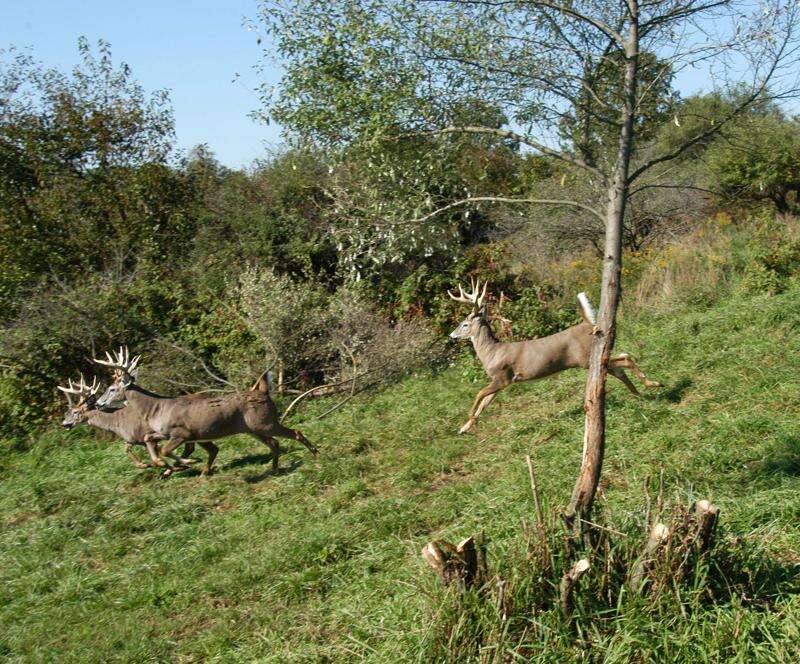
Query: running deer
x=514 y=362
x=197 y=417
x=124 y=424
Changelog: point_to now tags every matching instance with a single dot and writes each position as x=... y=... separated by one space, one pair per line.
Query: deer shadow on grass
x=282 y=470
x=242 y=462
x=674 y=393
x=782 y=459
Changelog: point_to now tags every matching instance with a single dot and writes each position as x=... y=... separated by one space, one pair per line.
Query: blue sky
x=194 y=49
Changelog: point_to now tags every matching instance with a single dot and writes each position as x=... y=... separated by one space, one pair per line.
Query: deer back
x=541 y=357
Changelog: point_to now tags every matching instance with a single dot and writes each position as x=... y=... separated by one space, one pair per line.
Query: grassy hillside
x=100 y=561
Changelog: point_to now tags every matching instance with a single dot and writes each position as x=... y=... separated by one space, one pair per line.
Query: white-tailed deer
x=124 y=424
x=197 y=417
x=514 y=362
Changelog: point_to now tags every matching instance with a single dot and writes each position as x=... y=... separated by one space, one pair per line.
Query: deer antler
x=498 y=315
x=121 y=362
x=81 y=389
x=475 y=298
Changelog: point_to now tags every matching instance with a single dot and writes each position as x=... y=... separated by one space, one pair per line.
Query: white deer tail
x=264 y=383
x=587 y=310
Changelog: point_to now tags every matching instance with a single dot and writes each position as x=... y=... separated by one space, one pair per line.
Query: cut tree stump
x=464 y=565
x=568 y=583
x=658 y=538
x=706 y=515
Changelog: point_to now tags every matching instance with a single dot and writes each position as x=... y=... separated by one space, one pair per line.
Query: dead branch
x=545 y=550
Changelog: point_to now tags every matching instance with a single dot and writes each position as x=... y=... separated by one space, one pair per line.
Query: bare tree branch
x=500 y=199
x=197 y=359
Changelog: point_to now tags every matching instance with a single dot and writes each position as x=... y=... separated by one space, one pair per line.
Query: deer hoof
x=167 y=473
x=465 y=428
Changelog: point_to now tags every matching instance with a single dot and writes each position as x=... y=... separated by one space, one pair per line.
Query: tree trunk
x=595 y=401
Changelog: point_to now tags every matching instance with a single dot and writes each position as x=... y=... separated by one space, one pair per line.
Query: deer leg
x=285 y=432
x=625 y=361
x=133 y=457
x=484 y=403
x=276 y=453
x=188 y=448
x=273 y=445
x=620 y=373
x=212 y=450
x=153 y=451
x=174 y=442
x=490 y=390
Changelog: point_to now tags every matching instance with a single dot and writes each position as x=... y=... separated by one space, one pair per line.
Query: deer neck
x=113 y=421
x=142 y=400
x=485 y=343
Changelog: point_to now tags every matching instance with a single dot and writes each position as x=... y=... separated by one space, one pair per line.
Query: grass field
x=103 y=562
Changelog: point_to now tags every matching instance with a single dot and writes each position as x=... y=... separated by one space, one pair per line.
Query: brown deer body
x=198 y=417
x=124 y=424
x=512 y=362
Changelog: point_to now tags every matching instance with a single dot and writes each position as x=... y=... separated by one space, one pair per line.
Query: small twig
x=536 y=498
x=597 y=525
x=539 y=515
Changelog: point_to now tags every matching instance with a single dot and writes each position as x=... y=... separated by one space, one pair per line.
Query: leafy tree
x=82 y=157
x=759 y=160
x=591 y=129
x=92 y=215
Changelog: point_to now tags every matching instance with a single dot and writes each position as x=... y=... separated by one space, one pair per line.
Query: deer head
x=469 y=326
x=87 y=401
x=125 y=370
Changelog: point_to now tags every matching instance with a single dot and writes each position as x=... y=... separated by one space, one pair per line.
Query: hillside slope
x=102 y=562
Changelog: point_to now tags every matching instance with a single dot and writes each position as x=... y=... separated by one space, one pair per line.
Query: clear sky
x=193 y=49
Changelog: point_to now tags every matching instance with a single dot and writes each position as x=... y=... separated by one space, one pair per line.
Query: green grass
x=102 y=562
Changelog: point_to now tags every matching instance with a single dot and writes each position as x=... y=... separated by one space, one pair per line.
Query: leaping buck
x=123 y=423
x=514 y=362
x=197 y=417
